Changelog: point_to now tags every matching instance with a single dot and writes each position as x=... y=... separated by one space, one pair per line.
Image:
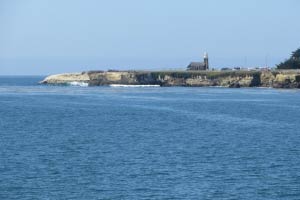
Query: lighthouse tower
x=206 y=61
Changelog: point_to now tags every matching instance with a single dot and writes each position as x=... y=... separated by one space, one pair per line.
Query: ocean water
x=74 y=142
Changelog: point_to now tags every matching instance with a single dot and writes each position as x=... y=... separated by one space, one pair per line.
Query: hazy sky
x=54 y=36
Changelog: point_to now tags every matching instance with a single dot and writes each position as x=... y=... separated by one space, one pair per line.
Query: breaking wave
x=76 y=83
x=120 y=85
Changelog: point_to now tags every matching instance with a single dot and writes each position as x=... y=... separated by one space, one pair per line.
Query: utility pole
x=266 y=60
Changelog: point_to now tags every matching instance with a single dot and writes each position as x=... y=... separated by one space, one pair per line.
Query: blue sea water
x=147 y=143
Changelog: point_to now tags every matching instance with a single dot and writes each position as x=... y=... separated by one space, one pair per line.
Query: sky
x=41 y=37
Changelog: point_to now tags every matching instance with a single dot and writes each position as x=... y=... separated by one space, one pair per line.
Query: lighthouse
x=206 y=61
x=195 y=66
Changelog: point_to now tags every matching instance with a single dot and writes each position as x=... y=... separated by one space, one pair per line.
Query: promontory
x=235 y=79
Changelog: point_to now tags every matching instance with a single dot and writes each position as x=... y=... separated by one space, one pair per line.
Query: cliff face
x=276 y=79
x=66 y=78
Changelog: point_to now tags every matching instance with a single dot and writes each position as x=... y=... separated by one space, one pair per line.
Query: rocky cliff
x=66 y=78
x=276 y=79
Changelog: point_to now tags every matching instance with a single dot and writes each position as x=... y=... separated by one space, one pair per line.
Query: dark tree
x=292 y=63
x=296 y=54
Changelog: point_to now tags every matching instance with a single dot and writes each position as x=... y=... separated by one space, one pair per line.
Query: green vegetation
x=292 y=63
x=207 y=74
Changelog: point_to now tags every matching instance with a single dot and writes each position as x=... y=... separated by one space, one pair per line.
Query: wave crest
x=120 y=85
x=77 y=83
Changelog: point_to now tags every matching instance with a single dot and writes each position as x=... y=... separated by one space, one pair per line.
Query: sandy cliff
x=66 y=78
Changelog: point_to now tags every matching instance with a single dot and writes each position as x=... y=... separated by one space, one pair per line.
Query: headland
x=232 y=79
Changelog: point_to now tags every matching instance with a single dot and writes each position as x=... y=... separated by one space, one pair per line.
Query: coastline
x=232 y=79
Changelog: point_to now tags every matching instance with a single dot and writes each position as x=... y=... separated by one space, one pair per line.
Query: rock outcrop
x=235 y=79
x=287 y=81
x=66 y=78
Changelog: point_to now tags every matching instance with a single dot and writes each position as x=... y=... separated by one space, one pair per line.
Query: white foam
x=76 y=83
x=120 y=85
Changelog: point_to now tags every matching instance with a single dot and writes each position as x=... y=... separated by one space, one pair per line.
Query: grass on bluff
x=208 y=74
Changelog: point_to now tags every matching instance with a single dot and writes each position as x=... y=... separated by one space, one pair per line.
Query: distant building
x=199 y=65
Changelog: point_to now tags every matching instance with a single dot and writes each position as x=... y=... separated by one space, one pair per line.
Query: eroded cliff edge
x=275 y=79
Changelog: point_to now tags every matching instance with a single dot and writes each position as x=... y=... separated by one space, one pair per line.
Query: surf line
x=121 y=85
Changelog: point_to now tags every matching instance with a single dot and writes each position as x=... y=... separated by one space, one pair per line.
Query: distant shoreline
x=231 y=79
